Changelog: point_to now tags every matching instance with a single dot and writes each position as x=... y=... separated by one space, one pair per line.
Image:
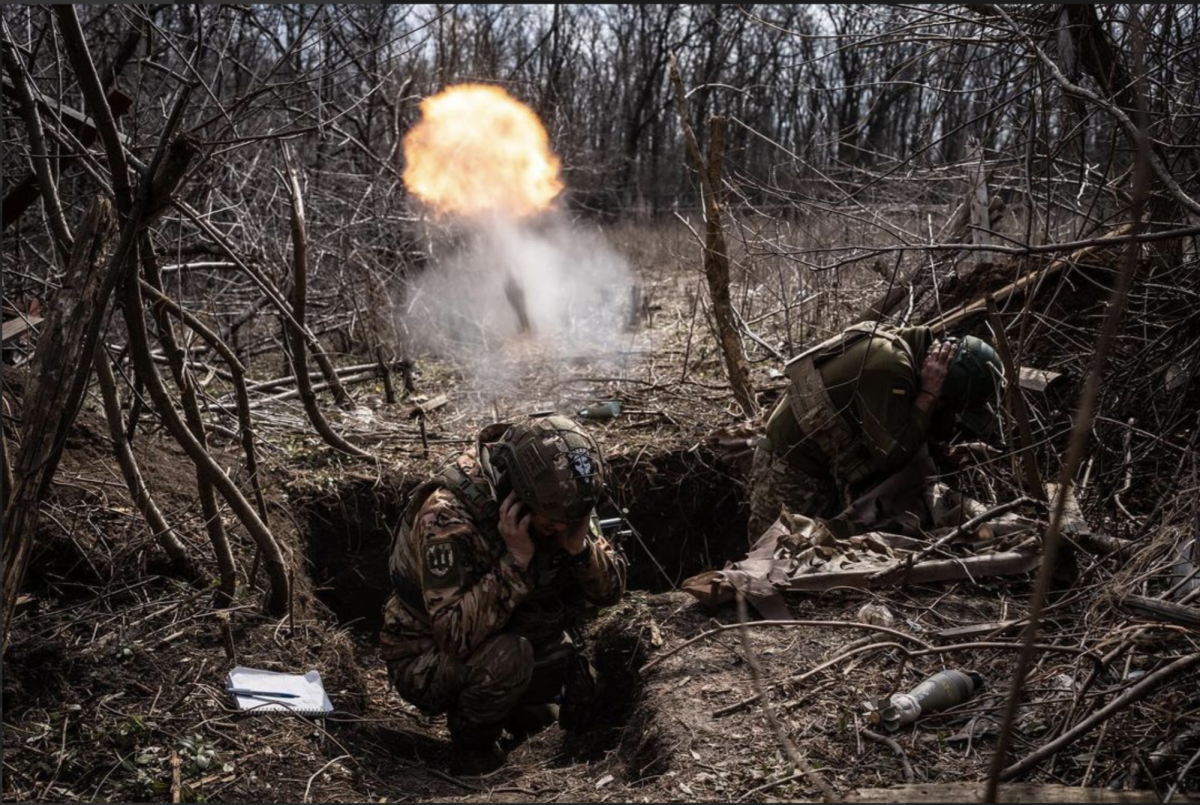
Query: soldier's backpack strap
x=483 y=507
x=813 y=408
x=480 y=504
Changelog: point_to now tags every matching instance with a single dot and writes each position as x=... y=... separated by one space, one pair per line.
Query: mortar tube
x=515 y=294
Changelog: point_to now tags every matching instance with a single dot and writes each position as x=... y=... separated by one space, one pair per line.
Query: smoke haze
x=576 y=290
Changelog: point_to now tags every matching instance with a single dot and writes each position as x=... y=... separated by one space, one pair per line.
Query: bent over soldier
x=859 y=408
x=494 y=558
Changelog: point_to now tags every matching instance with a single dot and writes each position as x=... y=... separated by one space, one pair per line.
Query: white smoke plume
x=576 y=290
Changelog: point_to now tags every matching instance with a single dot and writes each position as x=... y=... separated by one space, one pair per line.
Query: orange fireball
x=477 y=150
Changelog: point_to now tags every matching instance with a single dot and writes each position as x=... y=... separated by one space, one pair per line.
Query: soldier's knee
x=505 y=659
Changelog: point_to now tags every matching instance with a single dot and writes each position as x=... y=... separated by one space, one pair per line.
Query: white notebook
x=308 y=694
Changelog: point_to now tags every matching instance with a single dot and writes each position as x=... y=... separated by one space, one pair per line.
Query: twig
x=1127 y=443
x=769 y=624
x=308 y=787
x=780 y=735
x=895 y=747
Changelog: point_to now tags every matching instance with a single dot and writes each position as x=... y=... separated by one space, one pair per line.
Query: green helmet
x=554 y=466
x=975 y=375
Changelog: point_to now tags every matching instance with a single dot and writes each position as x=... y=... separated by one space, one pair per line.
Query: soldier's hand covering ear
x=515 y=519
x=933 y=373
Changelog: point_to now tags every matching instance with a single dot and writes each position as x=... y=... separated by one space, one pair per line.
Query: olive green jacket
x=874 y=385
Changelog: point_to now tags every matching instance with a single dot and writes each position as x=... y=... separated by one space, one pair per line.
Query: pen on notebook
x=247 y=692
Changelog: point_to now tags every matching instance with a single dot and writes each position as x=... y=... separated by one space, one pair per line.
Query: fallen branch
x=1144 y=687
x=892 y=574
x=769 y=624
x=1162 y=611
x=366 y=374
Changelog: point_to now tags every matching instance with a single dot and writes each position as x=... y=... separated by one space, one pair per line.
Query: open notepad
x=309 y=694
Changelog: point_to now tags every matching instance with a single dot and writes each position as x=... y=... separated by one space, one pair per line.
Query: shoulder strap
x=479 y=502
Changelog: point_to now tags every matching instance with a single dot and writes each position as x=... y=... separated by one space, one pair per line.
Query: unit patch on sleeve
x=442 y=568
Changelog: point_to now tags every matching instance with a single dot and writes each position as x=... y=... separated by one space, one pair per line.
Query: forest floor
x=114 y=669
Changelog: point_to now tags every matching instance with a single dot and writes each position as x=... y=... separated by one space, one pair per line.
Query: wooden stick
x=1144 y=687
x=176 y=784
x=1016 y=404
x=891 y=574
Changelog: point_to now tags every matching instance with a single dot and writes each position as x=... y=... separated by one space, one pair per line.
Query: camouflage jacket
x=455 y=584
x=874 y=384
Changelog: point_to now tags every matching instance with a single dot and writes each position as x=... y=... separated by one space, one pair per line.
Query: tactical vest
x=819 y=419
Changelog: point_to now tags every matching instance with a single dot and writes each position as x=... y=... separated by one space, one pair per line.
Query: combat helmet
x=973 y=380
x=553 y=465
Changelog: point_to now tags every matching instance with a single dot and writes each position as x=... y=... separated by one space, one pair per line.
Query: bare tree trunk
x=237 y=374
x=49 y=407
x=716 y=258
x=295 y=330
x=139 y=351
x=138 y=490
x=227 y=566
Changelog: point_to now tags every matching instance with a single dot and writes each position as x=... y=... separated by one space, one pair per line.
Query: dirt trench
x=688 y=514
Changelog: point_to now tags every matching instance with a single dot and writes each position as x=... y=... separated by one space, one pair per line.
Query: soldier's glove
x=580 y=695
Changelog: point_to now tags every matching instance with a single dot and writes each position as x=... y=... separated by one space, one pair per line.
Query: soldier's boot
x=539 y=706
x=476 y=752
x=497 y=676
x=581 y=694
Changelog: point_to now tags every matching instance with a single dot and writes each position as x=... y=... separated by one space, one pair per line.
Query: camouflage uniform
x=466 y=631
x=776 y=485
x=872 y=384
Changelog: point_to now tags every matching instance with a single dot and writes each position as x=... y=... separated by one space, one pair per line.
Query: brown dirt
x=113 y=665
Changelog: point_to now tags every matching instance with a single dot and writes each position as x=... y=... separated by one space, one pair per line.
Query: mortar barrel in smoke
x=480 y=161
x=515 y=295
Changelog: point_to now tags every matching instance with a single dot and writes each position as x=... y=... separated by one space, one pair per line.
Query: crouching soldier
x=493 y=561
x=859 y=408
